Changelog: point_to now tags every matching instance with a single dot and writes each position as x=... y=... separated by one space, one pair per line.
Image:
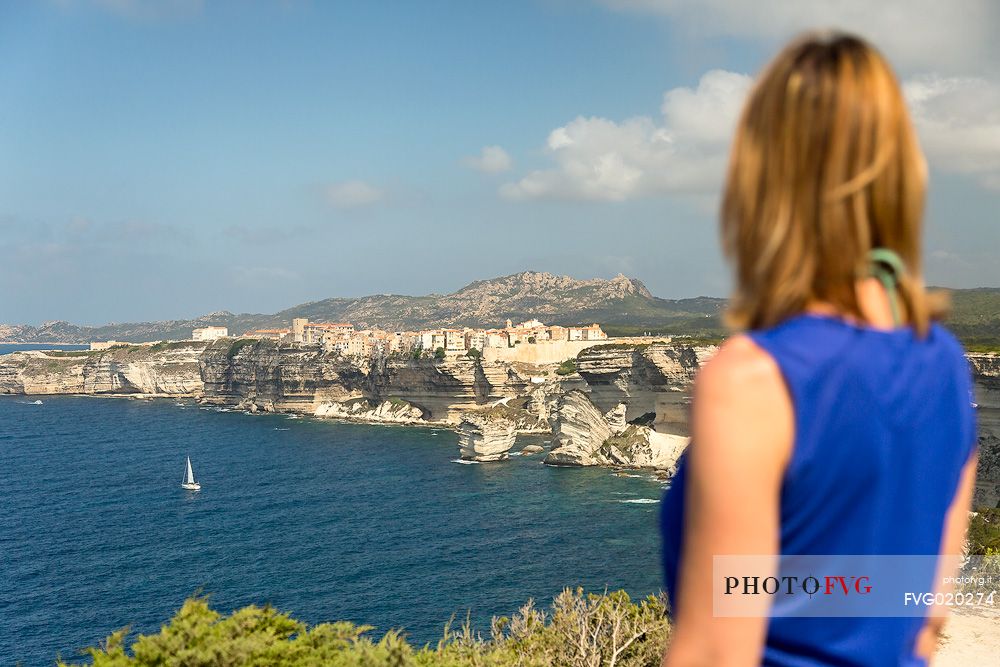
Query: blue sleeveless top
x=883 y=426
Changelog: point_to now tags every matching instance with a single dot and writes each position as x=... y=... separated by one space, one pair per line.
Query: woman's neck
x=872 y=301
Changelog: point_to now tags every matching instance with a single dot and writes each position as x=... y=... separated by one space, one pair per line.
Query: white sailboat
x=189 y=482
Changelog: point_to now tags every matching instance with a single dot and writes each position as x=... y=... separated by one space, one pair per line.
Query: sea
x=328 y=521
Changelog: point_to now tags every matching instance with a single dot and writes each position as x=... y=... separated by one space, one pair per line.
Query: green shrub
x=984 y=547
x=699 y=341
x=238 y=345
x=985 y=348
x=608 y=347
x=567 y=367
x=70 y=353
x=579 y=630
x=164 y=345
x=473 y=353
x=439 y=353
x=984 y=532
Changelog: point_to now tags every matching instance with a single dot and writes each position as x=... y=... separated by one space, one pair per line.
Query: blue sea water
x=325 y=520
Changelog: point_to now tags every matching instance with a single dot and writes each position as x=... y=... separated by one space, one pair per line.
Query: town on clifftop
x=344 y=338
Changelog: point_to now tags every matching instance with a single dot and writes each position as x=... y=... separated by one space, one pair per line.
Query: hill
x=975 y=317
x=622 y=305
x=521 y=296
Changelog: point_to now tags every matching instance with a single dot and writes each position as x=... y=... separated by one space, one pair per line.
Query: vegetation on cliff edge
x=984 y=532
x=579 y=630
x=238 y=344
x=567 y=367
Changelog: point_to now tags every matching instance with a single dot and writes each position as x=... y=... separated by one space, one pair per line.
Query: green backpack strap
x=888 y=267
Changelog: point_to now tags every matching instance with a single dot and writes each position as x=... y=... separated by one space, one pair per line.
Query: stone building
x=209 y=333
x=270 y=334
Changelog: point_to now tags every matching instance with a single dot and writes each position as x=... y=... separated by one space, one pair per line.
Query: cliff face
x=584 y=436
x=282 y=378
x=486 y=435
x=986 y=372
x=309 y=380
x=641 y=447
x=166 y=370
x=395 y=411
x=579 y=429
x=652 y=380
x=265 y=375
x=444 y=389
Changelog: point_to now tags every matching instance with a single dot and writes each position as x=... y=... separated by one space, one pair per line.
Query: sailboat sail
x=189 y=477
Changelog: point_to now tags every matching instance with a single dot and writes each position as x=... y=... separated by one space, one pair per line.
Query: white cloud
x=682 y=152
x=957 y=35
x=352 y=194
x=685 y=150
x=946 y=50
x=958 y=120
x=492 y=160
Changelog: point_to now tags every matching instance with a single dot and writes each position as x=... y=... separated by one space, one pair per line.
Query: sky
x=164 y=160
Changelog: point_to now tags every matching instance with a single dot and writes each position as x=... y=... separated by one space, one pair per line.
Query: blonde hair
x=825 y=166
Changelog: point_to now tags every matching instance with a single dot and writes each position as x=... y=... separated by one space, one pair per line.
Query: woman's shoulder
x=742 y=407
x=781 y=359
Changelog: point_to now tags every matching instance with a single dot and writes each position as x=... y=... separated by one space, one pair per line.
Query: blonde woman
x=840 y=421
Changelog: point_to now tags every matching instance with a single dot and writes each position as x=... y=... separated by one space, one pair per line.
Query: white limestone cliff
x=584 y=436
x=392 y=411
x=486 y=436
x=578 y=431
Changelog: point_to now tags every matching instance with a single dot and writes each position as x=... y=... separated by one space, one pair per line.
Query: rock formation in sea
x=584 y=436
x=391 y=411
x=486 y=435
x=579 y=429
x=641 y=447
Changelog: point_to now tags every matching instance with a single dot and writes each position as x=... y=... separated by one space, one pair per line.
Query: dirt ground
x=970 y=640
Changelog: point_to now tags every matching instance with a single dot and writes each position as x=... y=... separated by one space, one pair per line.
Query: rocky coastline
x=487 y=403
x=625 y=406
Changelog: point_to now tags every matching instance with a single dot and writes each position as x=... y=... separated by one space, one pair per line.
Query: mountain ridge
x=621 y=304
